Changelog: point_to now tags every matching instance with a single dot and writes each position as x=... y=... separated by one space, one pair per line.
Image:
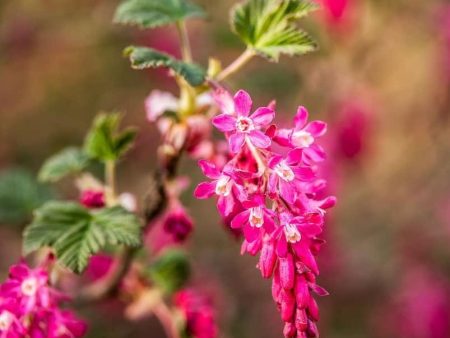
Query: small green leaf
x=104 y=142
x=68 y=161
x=268 y=26
x=156 y=13
x=144 y=57
x=76 y=233
x=171 y=271
x=20 y=194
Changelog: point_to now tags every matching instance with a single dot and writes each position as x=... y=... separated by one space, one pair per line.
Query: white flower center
x=302 y=139
x=292 y=233
x=224 y=185
x=6 y=319
x=244 y=124
x=29 y=286
x=256 y=218
x=283 y=170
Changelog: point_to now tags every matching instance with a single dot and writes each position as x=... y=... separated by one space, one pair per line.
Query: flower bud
x=301 y=292
x=313 y=309
x=178 y=224
x=276 y=286
x=289 y=330
x=92 y=199
x=301 y=320
x=287 y=303
x=312 y=330
x=287 y=272
x=267 y=259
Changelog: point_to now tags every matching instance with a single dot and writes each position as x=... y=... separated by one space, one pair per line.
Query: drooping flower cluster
x=29 y=307
x=197 y=312
x=270 y=190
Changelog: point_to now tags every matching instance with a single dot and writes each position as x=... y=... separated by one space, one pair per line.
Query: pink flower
x=92 y=199
x=223 y=185
x=10 y=324
x=178 y=224
x=287 y=174
x=304 y=136
x=27 y=285
x=198 y=314
x=29 y=307
x=242 y=127
x=276 y=200
x=99 y=266
x=255 y=218
x=158 y=102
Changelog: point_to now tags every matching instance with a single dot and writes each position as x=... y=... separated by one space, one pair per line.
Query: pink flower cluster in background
x=198 y=313
x=29 y=307
x=272 y=196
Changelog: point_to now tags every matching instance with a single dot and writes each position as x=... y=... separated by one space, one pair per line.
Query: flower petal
x=205 y=190
x=225 y=205
x=251 y=234
x=224 y=122
x=301 y=117
x=274 y=160
x=225 y=101
x=209 y=169
x=236 y=141
x=282 y=247
x=315 y=153
x=287 y=191
x=262 y=116
x=294 y=157
x=303 y=173
x=242 y=103
x=259 y=139
x=316 y=128
x=240 y=219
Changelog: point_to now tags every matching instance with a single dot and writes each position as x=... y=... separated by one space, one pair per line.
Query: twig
x=237 y=64
x=184 y=41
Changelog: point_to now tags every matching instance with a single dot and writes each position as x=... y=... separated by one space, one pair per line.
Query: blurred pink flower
x=353 y=129
x=198 y=313
x=93 y=198
x=29 y=307
x=419 y=307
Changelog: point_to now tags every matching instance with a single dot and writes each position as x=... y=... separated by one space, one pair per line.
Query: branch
x=237 y=64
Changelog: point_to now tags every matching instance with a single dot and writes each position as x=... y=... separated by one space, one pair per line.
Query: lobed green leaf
x=156 y=13
x=68 y=161
x=76 y=233
x=104 y=142
x=144 y=57
x=268 y=26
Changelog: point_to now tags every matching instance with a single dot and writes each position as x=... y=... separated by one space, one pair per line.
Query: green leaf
x=144 y=57
x=76 y=233
x=104 y=142
x=68 y=161
x=156 y=13
x=20 y=194
x=171 y=271
x=268 y=26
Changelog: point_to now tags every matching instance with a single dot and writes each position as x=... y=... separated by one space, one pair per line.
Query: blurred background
x=380 y=79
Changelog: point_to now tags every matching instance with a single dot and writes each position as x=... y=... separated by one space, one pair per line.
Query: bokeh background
x=381 y=80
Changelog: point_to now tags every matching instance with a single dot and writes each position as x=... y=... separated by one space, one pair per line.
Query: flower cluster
x=29 y=307
x=197 y=312
x=270 y=191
